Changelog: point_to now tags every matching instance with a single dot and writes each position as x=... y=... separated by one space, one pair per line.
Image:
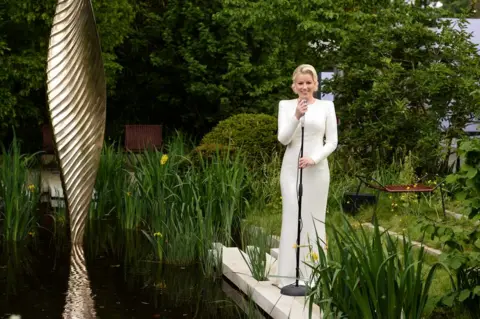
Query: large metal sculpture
x=77 y=104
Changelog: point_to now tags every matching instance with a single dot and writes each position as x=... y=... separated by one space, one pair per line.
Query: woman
x=319 y=123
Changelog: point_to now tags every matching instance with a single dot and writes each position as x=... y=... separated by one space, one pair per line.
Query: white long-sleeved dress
x=320 y=140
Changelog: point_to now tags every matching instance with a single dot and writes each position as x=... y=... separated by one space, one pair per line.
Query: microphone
x=302 y=119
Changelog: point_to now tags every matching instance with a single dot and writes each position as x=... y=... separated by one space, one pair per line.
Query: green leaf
x=464 y=295
x=440 y=231
x=466 y=145
x=445 y=238
x=472 y=172
x=461 y=196
x=456 y=264
x=477 y=243
x=476 y=290
x=470 y=183
x=451 y=179
x=448 y=300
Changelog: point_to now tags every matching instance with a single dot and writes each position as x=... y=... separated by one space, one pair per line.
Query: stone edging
x=428 y=250
x=267 y=296
x=460 y=216
x=263 y=293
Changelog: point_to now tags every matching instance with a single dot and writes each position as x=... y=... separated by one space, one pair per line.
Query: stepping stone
x=274 y=252
x=263 y=293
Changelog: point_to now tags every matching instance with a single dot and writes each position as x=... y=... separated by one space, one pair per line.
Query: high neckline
x=308 y=102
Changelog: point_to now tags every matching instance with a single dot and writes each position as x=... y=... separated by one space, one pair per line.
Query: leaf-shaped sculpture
x=77 y=104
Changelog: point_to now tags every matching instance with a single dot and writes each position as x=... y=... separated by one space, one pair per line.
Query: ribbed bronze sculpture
x=77 y=104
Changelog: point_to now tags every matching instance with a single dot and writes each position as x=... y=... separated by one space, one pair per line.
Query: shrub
x=206 y=152
x=254 y=134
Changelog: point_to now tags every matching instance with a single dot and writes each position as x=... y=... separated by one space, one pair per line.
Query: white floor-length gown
x=320 y=124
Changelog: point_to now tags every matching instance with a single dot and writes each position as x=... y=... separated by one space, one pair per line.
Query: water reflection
x=33 y=281
x=122 y=281
x=132 y=281
x=15 y=265
x=79 y=302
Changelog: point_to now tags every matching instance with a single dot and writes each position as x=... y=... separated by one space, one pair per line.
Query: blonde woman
x=320 y=140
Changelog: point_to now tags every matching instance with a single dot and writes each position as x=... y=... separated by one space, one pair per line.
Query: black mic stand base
x=293 y=290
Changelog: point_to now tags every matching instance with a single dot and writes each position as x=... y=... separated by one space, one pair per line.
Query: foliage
x=401 y=71
x=20 y=194
x=367 y=275
x=181 y=208
x=467 y=275
x=256 y=242
x=109 y=187
x=467 y=180
x=265 y=184
x=464 y=257
x=456 y=6
x=25 y=30
x=254 y=134
x=207 y=152
x=212 y=59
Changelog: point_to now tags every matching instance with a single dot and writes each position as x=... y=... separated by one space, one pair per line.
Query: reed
x=370 y=275
x=112 y=179
x=256 y=243
x=19 y=192
x=187 y=206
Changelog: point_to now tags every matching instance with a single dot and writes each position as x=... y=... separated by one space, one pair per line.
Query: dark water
x=34 y=283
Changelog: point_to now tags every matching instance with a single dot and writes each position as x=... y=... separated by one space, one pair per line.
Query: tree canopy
x=189 y=64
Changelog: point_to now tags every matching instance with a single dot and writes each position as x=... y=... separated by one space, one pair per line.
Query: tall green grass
x=256 y=242
x=370 y=275
x=190 y=208
x=223 y=186
x=181 y=204
x=19 y=192
x=110 y=185
x=265 y=184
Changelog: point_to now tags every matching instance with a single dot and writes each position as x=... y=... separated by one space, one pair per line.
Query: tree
x=403 y=70
x=456 y=6
x=190 y=64
x=24 y=34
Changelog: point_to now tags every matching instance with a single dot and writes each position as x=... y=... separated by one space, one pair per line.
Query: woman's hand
x=302 y=107
x=305 y=162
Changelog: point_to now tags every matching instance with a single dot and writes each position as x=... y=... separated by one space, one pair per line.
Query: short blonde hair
x=305 y=69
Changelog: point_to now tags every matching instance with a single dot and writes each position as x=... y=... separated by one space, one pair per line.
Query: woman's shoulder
x=324 y=102
x=325 y=105
x=288 y=102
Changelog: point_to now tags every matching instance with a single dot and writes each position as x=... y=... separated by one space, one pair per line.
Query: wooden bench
x=417 y=188
x=142 y=137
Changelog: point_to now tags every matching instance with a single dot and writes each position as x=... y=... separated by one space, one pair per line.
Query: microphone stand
x=295 y=289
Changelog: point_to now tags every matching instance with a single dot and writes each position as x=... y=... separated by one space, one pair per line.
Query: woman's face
x=304 y=86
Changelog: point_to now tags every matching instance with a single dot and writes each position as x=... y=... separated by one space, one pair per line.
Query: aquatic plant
x=19 y=193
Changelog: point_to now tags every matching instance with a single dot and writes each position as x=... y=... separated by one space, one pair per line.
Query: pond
x=124 y=283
